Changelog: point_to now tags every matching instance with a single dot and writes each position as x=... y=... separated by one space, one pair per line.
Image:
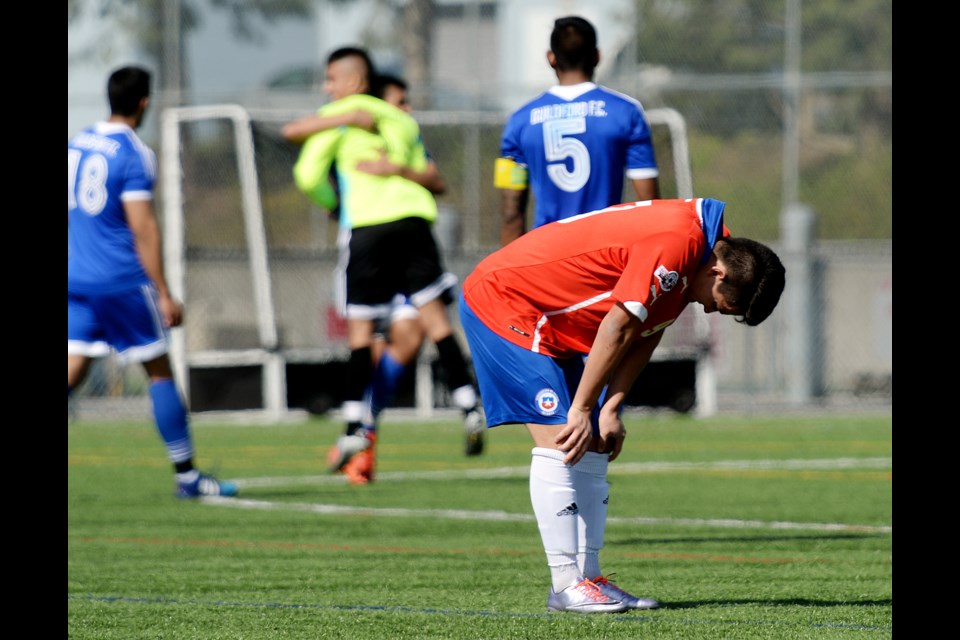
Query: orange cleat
x=359 y=468
x=345 y=448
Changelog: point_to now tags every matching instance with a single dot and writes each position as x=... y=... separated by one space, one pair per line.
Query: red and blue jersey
x=548 y=290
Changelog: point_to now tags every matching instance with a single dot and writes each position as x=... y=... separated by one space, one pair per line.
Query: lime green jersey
x=366 y=199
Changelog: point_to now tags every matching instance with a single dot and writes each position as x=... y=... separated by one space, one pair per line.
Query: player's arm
x=641 y=159
x=621 y=381
x=409 y=159
x=299 y=130
x=146 y=234
x=646 y=188
x=430 y=178
x=311 y=172
x=615 y=338
x=511 y=179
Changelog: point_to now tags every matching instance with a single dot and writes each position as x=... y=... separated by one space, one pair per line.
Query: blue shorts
x=128 y=322
x=516 y=384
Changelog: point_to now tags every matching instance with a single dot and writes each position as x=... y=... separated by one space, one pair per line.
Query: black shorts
x=395 y=257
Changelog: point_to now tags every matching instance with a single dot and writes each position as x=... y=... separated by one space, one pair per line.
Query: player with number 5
x=573 y=144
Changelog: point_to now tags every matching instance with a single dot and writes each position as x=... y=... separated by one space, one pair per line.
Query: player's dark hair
x=574 y=44
x=382 y=81
x=385 y=80
x=126 y=87
x=357 y=52
x=755 y=278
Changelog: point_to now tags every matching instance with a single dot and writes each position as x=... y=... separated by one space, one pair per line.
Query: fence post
x=804 y=305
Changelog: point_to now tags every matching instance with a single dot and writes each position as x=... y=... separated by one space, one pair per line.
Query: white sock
x=563 y=576
x=187 y=476
x=554 y=502
x=353 y=410
x=593 y=492
x=464 y=397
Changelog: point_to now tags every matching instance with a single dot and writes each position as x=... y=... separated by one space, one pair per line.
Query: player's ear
x=719 y=270
x=551 y=59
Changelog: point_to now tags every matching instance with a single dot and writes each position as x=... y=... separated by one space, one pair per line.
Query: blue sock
x=170 y=416
x=386 y=379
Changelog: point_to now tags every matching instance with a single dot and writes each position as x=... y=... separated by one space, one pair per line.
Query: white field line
x=616 y=468
x=503 y=516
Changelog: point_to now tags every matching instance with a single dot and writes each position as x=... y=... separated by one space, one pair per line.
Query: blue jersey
x=577 y=143
x=107 y=164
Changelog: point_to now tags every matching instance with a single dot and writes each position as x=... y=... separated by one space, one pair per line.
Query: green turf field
x=741 y=527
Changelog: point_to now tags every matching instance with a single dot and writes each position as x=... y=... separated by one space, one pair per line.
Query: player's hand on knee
x=612 y=435
x=613 y=445
x=575 y=437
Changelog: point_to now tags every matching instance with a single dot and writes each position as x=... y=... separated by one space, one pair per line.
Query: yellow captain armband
x=507 y=174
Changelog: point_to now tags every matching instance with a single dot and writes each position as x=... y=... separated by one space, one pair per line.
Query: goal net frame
x=269 y=354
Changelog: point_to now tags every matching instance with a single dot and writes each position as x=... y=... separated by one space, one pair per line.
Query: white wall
x=525 y=27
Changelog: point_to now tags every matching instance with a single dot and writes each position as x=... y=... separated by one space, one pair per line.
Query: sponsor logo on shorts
x=668 y=279
x=569 y=510
x=547 y=402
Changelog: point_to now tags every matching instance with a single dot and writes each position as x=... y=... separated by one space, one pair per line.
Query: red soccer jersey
x=548 y=290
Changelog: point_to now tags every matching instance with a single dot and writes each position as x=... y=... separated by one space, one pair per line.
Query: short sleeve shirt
x=107 y=164
x=549 y=290
x=578 y=142
x=366 y=199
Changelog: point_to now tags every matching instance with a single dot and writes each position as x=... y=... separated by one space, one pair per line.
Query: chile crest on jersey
x=547 y=402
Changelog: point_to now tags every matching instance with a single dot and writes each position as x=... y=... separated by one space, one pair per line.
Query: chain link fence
x=753 y=139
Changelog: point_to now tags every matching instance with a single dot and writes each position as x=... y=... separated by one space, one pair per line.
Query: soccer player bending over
x=604 y=284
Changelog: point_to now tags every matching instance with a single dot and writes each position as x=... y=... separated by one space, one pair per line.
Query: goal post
x=252 y=259
x=266 y=355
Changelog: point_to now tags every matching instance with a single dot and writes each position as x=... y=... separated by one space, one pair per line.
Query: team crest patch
x=668 y=279
x=547 y=402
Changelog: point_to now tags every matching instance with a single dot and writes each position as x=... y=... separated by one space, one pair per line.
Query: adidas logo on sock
x=606 y=500
x=571 y=510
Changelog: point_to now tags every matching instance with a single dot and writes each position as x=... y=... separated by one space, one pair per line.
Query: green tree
x=726 y=36
x=744 y=41
x=747 y=36
x=724 y=67
x=160 y=25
